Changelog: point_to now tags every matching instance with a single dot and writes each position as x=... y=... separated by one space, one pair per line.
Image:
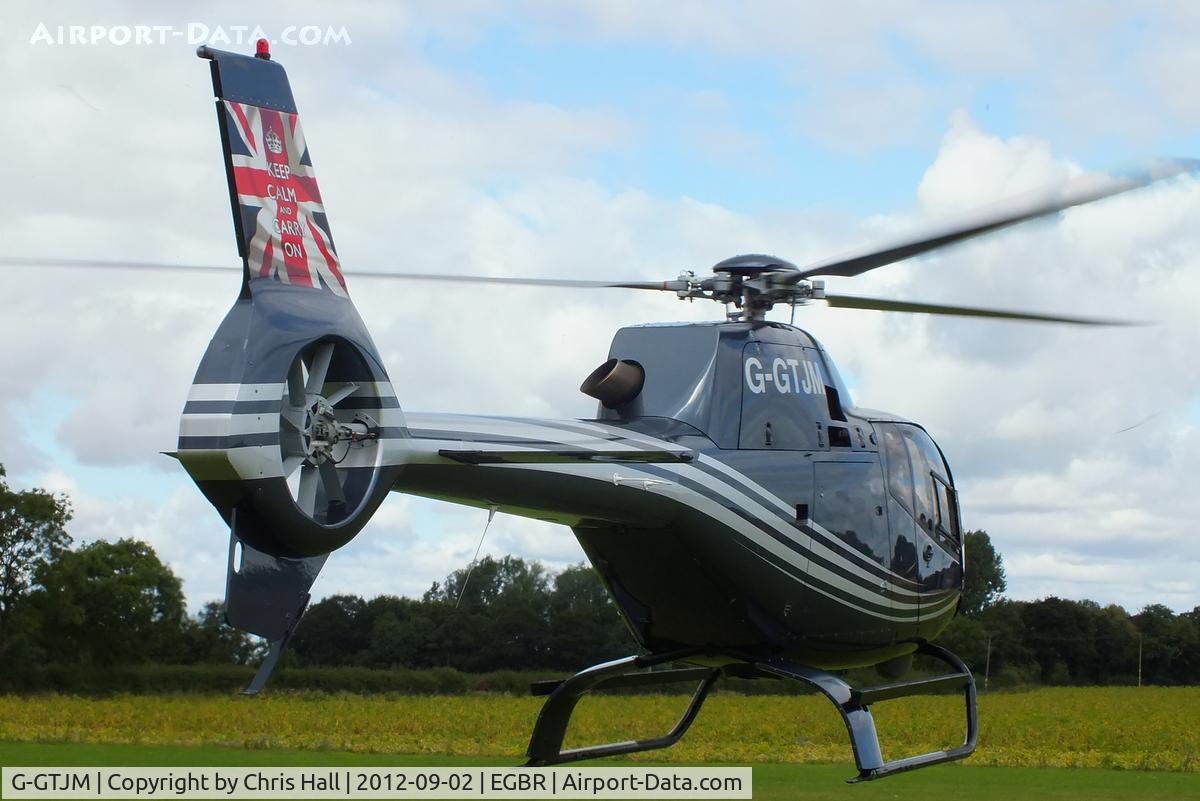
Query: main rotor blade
x=1012 y=211
x=884 y=304
x=659 y=286
x=113 y=264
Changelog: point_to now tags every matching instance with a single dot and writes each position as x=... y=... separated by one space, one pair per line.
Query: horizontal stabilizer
x=552 y=457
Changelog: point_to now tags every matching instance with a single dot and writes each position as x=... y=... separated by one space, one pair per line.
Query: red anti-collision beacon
x=262 y=49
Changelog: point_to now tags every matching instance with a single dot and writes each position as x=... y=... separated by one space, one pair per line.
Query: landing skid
x=854 y=706
x=545 y=745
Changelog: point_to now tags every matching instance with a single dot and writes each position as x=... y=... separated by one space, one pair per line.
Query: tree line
x=115 y=603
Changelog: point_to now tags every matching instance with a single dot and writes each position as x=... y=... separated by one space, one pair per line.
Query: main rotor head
x=753 y=284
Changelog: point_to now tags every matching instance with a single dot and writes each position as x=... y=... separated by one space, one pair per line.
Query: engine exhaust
x=614 y=383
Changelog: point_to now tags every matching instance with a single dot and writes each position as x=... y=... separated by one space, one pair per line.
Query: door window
x=899 y=473
x=848 y=495
x=947 y=511
x=922 y=483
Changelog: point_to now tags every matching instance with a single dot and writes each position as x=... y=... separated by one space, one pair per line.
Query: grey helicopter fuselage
x=745 y=517
x=734 y=501
x=777 y=520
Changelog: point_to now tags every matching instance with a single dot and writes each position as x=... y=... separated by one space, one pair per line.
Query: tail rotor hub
x=326 y=434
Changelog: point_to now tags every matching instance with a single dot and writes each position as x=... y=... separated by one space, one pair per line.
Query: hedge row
x=150 y=679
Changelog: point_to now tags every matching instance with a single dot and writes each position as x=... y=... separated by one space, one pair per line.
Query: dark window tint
x=930 y=457
x=847 y=494
x=947 y=511
x=929 y=477
x=899 y=473
x=783 y=397
x=922 y=484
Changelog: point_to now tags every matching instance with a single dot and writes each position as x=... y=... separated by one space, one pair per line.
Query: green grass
x=771 y=781
x=1150 y=728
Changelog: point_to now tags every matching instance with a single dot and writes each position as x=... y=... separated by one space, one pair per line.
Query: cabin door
x=852 y=546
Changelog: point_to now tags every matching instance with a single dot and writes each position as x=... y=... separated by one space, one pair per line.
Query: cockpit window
x=923 y=484
x=918 y=479
x=947 y=511
x=934 y=497
x=930 y=458
x=899 y=473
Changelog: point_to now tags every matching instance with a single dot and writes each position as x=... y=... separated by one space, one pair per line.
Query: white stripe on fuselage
x=603 y=439
x=782 y=507
x=721 y=513
x=235 y=392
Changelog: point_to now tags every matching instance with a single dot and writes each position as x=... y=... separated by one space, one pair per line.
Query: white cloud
x=424 y=171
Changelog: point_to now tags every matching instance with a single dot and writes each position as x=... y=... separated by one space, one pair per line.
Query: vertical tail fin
x=282 y=230
x=291 y=425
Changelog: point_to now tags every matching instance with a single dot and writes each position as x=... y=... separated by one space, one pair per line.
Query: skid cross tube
x=545 y=744
x=854 y=706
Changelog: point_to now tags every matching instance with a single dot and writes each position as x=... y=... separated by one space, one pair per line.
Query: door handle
x=928 y=552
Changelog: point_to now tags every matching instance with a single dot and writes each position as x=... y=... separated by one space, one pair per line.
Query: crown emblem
x=273 y=142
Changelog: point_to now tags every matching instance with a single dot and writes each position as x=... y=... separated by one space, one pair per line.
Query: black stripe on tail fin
x=282 y=231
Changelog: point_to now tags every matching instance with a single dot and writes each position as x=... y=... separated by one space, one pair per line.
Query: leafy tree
x=983 y=582
x=111 y=603
x=490 y=581
x=398 y=632
x=1062 y=635
x=207 y=639
x=32 y=533
x=967 y=637
x=1116 y=642
x=1012 y=659
x=1170 y=645
x=585 y=627
x=500 y=623
x=332 y=632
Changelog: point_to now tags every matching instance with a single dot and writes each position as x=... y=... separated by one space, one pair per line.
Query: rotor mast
x=754 y=284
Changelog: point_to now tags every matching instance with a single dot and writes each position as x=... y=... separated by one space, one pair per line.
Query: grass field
x=771 y=782
x=1149 y=728
x=1052 y=743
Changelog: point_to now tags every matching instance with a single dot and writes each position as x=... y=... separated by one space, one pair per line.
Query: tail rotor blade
x=290 y=464
x=295 y=385
x=319 y=368
x=307 y=497
x=345 y=391
x=330 y=482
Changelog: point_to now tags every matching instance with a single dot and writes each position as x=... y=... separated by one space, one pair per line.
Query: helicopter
x=745 y=517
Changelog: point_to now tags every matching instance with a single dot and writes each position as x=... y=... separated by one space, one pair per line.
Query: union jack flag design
x=285 y=232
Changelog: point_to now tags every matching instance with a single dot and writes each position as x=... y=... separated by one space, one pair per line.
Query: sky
x=626 y=140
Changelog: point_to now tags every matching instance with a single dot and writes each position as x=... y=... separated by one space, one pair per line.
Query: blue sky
x=672 y=89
